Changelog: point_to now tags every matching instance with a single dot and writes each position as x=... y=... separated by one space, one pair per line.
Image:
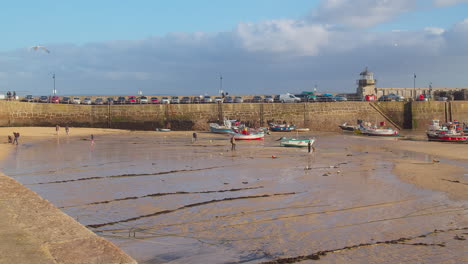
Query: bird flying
x=40 y=47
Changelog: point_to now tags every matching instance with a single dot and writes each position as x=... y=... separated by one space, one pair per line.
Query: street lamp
x=54 y=91
x=414 y=86
x=220 y=84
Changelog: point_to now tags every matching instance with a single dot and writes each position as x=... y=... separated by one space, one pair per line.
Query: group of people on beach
x=57 y=129
x=14 y=139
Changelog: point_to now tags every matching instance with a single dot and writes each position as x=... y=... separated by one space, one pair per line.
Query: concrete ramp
x=32 y=230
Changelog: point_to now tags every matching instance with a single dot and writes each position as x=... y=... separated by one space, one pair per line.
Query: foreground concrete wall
x=317 y=116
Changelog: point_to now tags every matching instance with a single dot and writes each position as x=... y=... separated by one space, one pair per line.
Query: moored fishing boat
x=302 y=129
x=282 y=128
x=346 y=127
x=222 y=129
x=216 y=128
x=382 y=132
x=249 y=136
x=295 y=142
x=446 y=136
x=450 y=132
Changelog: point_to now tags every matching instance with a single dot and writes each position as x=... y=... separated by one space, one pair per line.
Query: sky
x=258 y=46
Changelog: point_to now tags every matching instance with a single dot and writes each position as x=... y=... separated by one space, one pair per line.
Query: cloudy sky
x=257 y=46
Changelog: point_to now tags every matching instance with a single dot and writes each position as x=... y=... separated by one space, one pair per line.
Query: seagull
x=40 y=47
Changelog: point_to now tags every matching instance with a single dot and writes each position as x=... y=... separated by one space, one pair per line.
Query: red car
x=55 y=99
x=154 y=100
x=132 y=100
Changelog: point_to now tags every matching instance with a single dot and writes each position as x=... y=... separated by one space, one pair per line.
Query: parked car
x=76 y=100
x=87 y=101
x=441 y=98
x=43 y=99
x=28 y=98
x=99 y=101
x=423 y=97
x=66 y=100
x=196 y=100
x=391 y=97
x=228 y=99
x=165 y=100
x=326 y=98
x=207 y=99
x=288 y=98
x=143 y=100
x=132 y=100
x=341 y=98
x=154 y=100
x=257 y=99
x=55 y=100
x=268 y=99
x=306 y=97
x=218 y=100
x=109 y=100
x=121 y=100
x=238 y=99
x=185 y=100
x=175 y=100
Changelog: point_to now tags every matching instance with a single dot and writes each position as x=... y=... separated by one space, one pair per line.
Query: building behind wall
x=367 y=86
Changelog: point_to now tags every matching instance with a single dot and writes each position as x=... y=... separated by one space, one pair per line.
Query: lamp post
x=414 y=86
x=53 y=91
x=220 y=84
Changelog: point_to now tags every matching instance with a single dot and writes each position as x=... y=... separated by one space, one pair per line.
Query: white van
x=288 y=98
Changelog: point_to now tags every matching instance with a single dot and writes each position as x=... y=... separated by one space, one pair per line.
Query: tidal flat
x=163 y=199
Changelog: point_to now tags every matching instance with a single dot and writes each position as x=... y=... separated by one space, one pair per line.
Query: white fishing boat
x=249 y=136
x=382 y=132
x=222 y=129
x=296 y=142
x=302 y=129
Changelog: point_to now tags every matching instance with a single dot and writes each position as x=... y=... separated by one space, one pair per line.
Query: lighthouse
x=366 y=84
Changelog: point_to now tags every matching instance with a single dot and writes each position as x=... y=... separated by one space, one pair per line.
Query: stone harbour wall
x=316 y=116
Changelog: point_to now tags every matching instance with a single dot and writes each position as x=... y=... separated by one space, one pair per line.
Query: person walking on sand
x=16 y=135
x=233 y=143
x=194 y=137
x=67 y=129
x=92 y=139
x=57 y=128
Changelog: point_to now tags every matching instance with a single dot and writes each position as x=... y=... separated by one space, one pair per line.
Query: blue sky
x=259 y=46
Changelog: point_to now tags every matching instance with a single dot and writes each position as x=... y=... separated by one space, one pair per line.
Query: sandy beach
x=163 y=199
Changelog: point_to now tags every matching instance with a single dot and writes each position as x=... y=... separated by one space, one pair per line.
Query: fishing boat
x=249 y=136
x=222 y=129
x=382 y=132
x=216 y=128
x=294 y=142
x=282 y=128
x=302 y=129
x=346 y=127
x=449 y=132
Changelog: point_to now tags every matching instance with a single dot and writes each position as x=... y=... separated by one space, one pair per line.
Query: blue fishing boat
x=282 y=128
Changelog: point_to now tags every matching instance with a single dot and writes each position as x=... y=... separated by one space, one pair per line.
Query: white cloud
x=293 y=37
x=445 y=3
x=434 y=30
x=361 y=13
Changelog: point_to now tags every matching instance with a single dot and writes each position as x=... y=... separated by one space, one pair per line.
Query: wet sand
x=163 y=199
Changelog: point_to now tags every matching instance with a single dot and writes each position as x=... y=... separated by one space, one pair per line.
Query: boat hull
x=282 y=128
x=256 y=136
x=347 y=128
x=297 y=143
x=220 y=130
x=447 y=138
